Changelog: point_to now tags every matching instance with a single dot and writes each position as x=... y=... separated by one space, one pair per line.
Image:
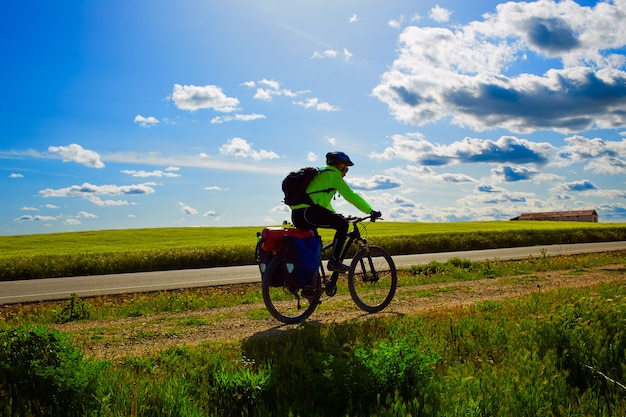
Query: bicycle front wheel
x=289 y=306
x=372 y=279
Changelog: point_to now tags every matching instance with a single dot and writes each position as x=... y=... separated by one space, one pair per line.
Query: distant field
x=133 y=250
x=130 y=240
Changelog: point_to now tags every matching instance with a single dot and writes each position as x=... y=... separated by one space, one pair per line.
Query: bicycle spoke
x=285 y=305
x=373 y=279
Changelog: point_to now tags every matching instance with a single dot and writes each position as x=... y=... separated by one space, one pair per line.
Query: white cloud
x=86 y=215
x=414 y=147
x=439 y=14
x=270 y=88
x=215 y=188
x=37 y=218
x=16 y=175
x=76 y=153
x=29 y=209
x=376 y=182
x=87 y=189
x=92 y=192
x=185 y=209
x=192 y=98
x=347 y=55
x=237 y=117
x=395 y=23
x=240 y=148
x=427 y=174
x=514 y=173
x=201 y=160
x=353 y=19
x=105 y=203
x=315 y=103
x=146 y=174
x=605 y=157
x=462 y=74
x=607 y=166
x=329 y=53
x=146 y=121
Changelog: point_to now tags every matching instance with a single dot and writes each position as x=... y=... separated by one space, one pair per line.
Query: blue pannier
x=302 y=259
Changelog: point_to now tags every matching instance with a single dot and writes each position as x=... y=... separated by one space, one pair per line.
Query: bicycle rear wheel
x=372 y=279
x=287 y=305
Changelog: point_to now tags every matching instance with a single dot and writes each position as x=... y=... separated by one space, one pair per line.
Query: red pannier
x=272 y=237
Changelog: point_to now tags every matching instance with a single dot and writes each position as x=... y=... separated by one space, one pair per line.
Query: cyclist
x=322 y=189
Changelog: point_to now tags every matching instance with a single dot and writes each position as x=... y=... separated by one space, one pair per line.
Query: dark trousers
x=317 y=216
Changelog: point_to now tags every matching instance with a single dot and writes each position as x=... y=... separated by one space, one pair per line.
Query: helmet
x=334 y=158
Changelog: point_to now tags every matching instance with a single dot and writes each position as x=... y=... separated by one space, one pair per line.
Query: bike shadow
x=310 y=337
x=273 y=344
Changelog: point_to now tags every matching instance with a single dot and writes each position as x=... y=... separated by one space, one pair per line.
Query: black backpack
x=294 y=186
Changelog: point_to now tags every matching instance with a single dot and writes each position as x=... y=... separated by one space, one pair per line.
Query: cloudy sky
x=148 y=113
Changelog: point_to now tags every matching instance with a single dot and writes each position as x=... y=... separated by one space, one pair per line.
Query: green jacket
x=328 y=182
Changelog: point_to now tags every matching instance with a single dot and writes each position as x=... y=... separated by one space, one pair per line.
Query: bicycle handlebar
x=355 y=219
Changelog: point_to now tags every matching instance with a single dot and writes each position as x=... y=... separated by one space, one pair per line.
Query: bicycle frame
x=329 y=284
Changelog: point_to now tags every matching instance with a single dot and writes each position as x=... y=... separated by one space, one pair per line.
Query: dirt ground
x=140 y=336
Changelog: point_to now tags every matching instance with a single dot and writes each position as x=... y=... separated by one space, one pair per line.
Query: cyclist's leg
x=298 y=219
x=322 y=217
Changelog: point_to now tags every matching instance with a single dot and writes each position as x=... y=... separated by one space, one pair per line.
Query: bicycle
x=372 y=280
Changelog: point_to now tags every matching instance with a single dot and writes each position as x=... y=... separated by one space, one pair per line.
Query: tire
x=372 y=285
x=285 y=305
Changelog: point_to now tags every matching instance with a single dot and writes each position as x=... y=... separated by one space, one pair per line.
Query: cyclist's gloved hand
x=375 y=214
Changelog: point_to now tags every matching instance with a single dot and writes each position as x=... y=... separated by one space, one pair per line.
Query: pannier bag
x=264 y=258
x=301 y=259
x=300 y=250
x=267 y=248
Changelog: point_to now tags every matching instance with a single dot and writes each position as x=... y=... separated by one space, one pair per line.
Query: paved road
x=12 y=292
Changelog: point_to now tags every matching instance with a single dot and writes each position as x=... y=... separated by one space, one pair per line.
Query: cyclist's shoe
x=337 y=266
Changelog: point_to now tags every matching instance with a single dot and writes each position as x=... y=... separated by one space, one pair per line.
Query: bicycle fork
x=369 y=274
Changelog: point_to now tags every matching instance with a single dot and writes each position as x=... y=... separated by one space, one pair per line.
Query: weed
x=75 y=309
x=41 y=373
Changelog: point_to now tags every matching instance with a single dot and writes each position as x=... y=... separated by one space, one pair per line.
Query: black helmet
x=334 y=158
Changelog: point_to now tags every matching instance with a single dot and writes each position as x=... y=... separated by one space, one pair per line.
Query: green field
x=129 y=240
x=133 y=250
x=551 y=353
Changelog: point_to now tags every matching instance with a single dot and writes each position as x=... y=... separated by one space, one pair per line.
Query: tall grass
x=94 y=253
x=551 y=353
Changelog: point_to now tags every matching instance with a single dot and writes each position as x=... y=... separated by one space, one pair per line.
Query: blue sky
x=124 y=114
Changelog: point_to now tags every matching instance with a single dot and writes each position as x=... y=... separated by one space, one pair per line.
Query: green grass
x=140 y=240
x=117 y=251
x=552 y=353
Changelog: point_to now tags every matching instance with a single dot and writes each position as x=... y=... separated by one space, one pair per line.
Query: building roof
x=553 y=214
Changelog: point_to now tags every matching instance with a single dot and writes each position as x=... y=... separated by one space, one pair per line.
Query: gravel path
x=140 y=336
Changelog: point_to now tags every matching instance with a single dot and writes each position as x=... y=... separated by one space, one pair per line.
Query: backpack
x=294 y=186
